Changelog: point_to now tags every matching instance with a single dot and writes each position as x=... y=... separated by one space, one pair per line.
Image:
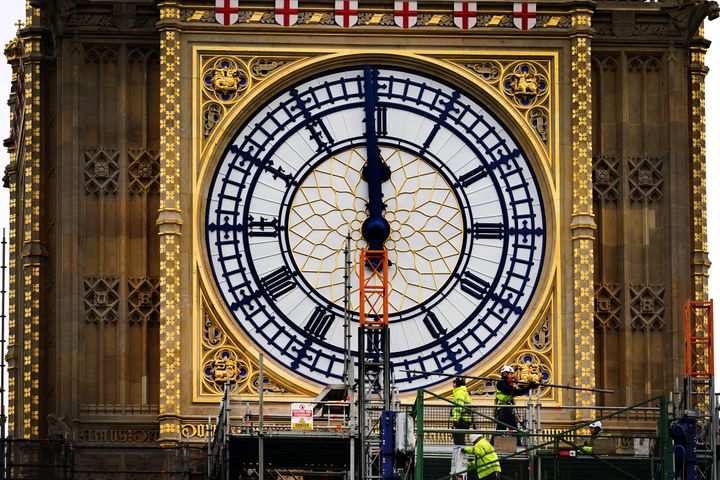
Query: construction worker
x=487 y=463
x=595 y=430
x=462 y=414
x=505 y=393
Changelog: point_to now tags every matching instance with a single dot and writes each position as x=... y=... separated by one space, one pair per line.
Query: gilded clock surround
x=470 y=72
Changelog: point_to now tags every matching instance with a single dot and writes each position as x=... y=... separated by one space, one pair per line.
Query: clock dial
x=464 y=209
x=426 y=224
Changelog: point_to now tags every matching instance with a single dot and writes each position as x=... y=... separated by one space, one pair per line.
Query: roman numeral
x=488 y=230
x=381 y=121
x=278 y=282
x=319 y=323
x=432 y=323
x=262 y=227
x=473 y=175
x=448 y=108
x=320 y=134
x=474 y=285
x=269 y=166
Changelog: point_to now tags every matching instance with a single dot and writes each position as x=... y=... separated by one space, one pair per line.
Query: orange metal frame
x=373 y=288
x=699 y=357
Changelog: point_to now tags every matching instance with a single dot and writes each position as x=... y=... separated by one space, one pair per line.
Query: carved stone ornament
x=528 y=372
x=645 y=179
x=101 y=171
x=60 y=427
x=532 y=367
x=541 y=339
x=606 y=179
x=144 y=171
x=261 y=67
x=223 y=361
x=225 y=78
x=540 y=121
x=647 y=307
x=226 y=369
x=608 y=308
x=101 y=299
x=524 y=84
x=488 y=70
x=532 y=361
x=143 y=300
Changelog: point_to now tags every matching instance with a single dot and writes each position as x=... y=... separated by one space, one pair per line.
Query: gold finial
x=19 y=25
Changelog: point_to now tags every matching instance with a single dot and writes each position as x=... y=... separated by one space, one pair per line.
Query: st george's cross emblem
x=405 y=14
x=226 y=11
x=465 y=15
x=346 y=12
x=286 y=12
x=524 y=15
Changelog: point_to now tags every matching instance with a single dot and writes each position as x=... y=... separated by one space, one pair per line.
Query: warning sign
x=301 y=416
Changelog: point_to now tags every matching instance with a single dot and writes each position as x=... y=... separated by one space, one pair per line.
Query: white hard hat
x=596 y=424
x=507 y=369
x=475 y=437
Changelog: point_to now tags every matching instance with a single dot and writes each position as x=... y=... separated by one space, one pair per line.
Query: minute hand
x=375 y=229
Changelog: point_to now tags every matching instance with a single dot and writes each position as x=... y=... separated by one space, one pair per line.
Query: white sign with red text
x=301 y=416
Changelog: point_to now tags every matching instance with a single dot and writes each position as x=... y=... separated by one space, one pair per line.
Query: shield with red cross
x=346 y=12
x=524 y=15
x=465 y=15
x=226 y=11
x=405 y=14
x=286 y=12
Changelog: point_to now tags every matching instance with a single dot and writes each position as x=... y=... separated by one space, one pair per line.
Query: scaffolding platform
x=308 y=452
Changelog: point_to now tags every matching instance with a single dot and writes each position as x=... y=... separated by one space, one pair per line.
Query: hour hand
x=375 y=228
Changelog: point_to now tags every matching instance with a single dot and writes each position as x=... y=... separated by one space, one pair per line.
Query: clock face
x=463 y=214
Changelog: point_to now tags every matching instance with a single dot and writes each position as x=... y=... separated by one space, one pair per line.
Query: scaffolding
x=375 y=418
x=537 y=451
x=700 y=401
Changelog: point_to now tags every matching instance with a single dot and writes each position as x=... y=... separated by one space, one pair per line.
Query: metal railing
x=67 y=460
x=537 y=445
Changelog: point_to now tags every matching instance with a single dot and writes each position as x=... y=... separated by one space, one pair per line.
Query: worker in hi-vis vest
x=506 y=389
x=595 y=432
x=487 y=463
x=462 y=414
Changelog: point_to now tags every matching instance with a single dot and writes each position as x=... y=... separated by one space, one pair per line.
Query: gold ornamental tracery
x=525 y=84
x=226 y=79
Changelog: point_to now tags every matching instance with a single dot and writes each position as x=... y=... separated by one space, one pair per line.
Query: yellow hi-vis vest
x=503 y=398
x=461 y=397
x=486 y=460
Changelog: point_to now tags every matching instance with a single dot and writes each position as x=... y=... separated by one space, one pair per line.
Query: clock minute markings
x=317 y=326
x=448 y=108
x=482 y=171
x=319 y=132
x=438 y=331
x=478 y=288
x=267 y=165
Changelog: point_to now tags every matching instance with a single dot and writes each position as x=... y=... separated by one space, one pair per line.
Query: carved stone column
x=169 y=223
x=28 y=251
x=583 y=221
x=700 y=262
